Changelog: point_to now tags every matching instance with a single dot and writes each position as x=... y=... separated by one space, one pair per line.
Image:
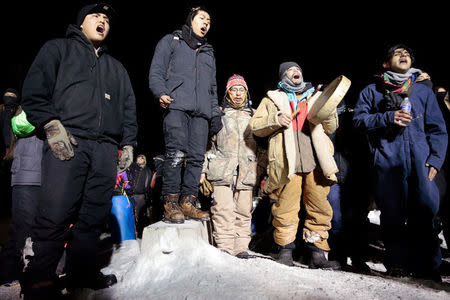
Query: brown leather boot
x=172 y=211
x=190 y=210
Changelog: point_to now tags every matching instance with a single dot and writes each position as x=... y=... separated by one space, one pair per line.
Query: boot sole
x=168 y=221
x=326 y=269
x=197 y=219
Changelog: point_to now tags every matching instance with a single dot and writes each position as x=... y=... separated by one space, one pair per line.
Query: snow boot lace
x=190 y=210
x=172 y=211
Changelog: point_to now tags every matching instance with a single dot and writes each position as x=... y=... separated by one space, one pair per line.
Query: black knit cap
x=101 y=7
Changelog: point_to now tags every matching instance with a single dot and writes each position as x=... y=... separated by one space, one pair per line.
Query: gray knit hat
x=285 y=66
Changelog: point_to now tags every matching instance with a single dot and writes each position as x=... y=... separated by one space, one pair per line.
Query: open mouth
x=203 y=30
x=403 y=60
x=100 y=29
x=296 y=76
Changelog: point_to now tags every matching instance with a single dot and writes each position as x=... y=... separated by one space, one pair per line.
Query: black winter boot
x=285 y=255
x=317 y=259
x=96 y=282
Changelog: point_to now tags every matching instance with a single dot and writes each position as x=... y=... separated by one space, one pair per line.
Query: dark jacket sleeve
x=39 y=84
x=130 y=127
x=216 y=111
x=436 y=132
x=159 y=67
x=365 y=118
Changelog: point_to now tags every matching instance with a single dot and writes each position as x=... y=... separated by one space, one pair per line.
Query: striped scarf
x=396 y=88
x=292 y=96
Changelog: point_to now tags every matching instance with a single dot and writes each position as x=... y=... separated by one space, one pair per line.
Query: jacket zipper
x=196 y=78
x=100 y=110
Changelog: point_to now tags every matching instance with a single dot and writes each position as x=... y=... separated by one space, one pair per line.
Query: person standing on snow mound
x=75 y=85
x=183 y=79
x=301 y=166
x=231 y=167
x=409 y=147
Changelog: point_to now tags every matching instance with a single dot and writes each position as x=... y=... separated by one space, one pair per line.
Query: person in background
x=442 y=178
x=7 y=111
x=140 y=177
x=25 y=183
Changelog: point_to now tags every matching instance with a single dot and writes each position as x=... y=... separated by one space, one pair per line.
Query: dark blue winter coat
x=186 y=75
x=400 y=154
x=424 y=140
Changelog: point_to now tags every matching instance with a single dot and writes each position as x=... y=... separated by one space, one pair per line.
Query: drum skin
x=323 y=104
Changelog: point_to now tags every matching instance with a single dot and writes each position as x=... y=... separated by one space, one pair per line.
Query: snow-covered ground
x=180 y=268
x=193 y=269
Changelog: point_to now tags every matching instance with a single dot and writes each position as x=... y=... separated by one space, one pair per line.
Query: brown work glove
x=125 y=159
x=59 y=140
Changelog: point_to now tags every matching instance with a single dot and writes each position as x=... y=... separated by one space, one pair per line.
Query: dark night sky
x=249 y=38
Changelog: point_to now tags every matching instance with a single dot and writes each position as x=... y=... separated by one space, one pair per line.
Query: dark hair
x=390 y=52
x=193 y=12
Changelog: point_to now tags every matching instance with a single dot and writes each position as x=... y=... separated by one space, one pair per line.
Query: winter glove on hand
x=215 y=125
x=206 y=188
x=125 y=159
x=59 y=140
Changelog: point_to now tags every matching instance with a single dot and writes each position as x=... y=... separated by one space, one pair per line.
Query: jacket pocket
x=173 y=84
x=251 y=167
x=218 y=168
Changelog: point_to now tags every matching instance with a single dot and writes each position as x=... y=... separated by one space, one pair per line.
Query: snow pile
x=179 y=267
x=123 y=258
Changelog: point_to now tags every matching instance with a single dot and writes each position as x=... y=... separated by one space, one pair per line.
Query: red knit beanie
x=236 y=80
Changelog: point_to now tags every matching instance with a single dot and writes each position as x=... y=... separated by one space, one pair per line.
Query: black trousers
x=185 y=138
x=24 y=205
x=78 y=192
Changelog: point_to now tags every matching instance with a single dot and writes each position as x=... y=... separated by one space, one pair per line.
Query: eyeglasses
x=236 y=90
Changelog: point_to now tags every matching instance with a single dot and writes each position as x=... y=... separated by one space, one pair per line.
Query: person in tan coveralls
x=301 y=166
x=231 y=167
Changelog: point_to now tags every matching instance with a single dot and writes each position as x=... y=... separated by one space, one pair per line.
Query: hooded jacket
x=186 y=75
x=91 y=94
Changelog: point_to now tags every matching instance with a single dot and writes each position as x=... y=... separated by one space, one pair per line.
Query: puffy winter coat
x=186 y=75
x=281 y=150
x=91 y=94
x=233 y=147
x=26 y=166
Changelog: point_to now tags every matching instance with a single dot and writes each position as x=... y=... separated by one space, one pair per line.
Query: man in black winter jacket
x=82 y=99
x=183 y=78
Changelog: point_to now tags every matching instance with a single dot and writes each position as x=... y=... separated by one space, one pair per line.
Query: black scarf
x=193 y=40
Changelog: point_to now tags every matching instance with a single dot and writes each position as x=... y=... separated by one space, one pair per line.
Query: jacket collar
x=280 y=99
x=73 y=32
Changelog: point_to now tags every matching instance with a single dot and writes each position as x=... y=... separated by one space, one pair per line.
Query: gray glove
x=59 y=140
x=125 y=159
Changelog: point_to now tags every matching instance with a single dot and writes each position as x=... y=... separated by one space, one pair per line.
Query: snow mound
x=182 y=267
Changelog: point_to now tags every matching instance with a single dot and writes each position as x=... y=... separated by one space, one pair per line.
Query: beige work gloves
x=59 y=140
